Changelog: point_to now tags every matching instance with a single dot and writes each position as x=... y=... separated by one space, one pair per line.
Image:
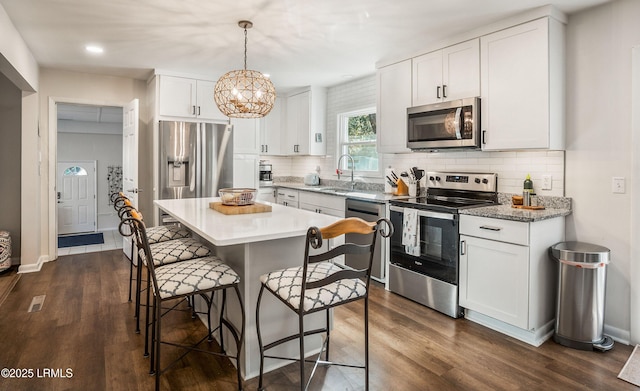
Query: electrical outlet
x=617 y=185
x=547 y=182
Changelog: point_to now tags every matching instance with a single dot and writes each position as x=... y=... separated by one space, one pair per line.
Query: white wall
x=106 y=149
x=16 y=61
x=599 y=147
x=512 y=167
x=74 y=87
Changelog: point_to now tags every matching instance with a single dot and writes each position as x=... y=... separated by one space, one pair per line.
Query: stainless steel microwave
x=446 y=125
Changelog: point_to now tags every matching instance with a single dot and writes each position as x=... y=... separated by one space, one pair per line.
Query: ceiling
x=298 y=42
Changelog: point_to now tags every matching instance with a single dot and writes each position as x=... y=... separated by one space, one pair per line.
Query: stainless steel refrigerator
x=196 y=160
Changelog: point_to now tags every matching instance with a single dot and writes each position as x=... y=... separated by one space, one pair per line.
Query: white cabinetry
x=507 y=280
x=328 y=205
x=322 y=203
x=245 y=171
x=287 y=197
x=272 y=129
x=187 y=98
x=305 y=122
x=267 y=194
x=394 y=97
x=246 y=135
x=447 y=74
x=522 y=79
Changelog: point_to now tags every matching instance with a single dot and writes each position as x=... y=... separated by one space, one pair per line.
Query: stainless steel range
x=426 y=270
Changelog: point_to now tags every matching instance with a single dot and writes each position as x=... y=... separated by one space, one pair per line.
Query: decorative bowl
x=237 y=196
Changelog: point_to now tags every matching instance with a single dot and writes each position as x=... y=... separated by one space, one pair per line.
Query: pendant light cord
x=245 y=48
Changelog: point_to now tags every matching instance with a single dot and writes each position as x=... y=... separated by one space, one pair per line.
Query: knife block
x=402 y=188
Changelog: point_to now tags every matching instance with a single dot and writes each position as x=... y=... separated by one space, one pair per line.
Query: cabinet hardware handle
x=490 y=228
x=444 y=90
x=193 y=111
x=290 y=196
x=198 y=110
x=438 y=92
x=463 y=247
x=266 y=148
x=484 y=132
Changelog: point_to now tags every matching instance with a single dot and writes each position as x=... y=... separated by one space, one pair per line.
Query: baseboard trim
x=532 y=337
x=35 y=267
x=618 y=335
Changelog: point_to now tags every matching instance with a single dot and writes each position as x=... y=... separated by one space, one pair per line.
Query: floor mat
x=80 y=240
x=631 y=370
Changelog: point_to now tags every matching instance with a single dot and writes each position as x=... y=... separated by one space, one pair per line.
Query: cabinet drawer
x=321 y=209
x=495 y=229
x=287 y=194
x=323 y=200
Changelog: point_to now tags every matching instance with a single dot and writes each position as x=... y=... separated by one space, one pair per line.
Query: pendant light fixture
x=244 y=93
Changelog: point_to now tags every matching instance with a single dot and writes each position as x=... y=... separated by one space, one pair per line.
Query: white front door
x=76 y=196
x=130 y=115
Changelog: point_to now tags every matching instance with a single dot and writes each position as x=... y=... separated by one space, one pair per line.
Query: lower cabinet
x=328 y=205
x=267 y=194
x=287 y=197
x=507 y=280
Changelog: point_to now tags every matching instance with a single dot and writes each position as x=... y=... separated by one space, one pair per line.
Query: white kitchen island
x=254 y=244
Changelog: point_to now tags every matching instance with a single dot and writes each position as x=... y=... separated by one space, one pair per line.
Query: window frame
x=341 y=130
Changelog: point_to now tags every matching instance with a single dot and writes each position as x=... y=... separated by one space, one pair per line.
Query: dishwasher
x=367 y=211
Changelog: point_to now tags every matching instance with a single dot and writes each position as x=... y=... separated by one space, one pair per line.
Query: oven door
x=438 y=245
x=444 y=125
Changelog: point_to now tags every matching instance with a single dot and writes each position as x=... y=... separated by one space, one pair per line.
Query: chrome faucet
x=353 y=167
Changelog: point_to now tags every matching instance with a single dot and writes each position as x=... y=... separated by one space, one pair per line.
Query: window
x=74 y=171
x=357 y=137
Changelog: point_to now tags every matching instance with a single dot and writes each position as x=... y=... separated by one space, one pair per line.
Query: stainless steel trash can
x=580 y=304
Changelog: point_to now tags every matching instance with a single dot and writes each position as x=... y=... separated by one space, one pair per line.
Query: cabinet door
x=206 y=104
x=515 y=87
x=245 y=171
x=494 y=279
x=177 y=97
x=246 y=135
x=298 y=117
x=394 y=97
x=461 y=70
x=271 y=129
x=427 y=78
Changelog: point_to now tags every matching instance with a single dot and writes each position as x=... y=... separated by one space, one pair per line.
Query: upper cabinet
x=394 y=97
x=272 y=129
x=246 y=135
x=447 y=74
x=187 y=98
x=522 y=78
x=305 y=123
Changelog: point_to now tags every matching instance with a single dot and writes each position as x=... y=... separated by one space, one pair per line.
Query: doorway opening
x=88 y=169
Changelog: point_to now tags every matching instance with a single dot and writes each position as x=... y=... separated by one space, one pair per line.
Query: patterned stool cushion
x=175 y=250
x=163 y=233
x=287 y=284
x=187 y=277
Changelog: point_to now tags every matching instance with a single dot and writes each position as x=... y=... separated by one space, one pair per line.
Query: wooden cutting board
x=239 y=210
x=539 y=207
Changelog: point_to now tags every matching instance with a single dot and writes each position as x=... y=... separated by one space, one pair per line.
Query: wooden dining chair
x=319 y=285
x=198 y=276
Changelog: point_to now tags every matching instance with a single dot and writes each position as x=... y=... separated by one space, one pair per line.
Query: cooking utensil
x=394 y=176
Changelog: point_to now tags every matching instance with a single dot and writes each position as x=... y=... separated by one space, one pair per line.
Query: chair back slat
x=343 y=249
x=341 y=275
x=350 y=225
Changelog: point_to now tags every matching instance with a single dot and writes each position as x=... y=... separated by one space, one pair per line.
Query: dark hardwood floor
x=87 y=325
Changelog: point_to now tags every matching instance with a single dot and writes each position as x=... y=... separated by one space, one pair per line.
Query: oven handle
x=426 y=213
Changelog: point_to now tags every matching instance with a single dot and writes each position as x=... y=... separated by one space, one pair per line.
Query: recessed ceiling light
x=94 y=49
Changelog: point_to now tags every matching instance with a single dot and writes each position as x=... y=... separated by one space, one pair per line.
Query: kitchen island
x=254 y=244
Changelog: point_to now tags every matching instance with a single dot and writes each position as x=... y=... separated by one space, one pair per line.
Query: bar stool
x=199 y=276
x=319 y=285
x=5 y=250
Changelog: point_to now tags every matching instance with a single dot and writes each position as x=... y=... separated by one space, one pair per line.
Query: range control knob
x=477 y=180
x=431 y=178
x=485 y=181
x=438 y=178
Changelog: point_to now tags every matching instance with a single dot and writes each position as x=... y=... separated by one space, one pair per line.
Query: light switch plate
x=547 y=182
x=617 y=185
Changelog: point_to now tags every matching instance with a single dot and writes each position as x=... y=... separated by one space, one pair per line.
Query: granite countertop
x=366 y=195
x=507 y=212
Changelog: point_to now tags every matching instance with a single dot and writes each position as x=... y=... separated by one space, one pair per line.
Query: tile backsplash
x=511 y=167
